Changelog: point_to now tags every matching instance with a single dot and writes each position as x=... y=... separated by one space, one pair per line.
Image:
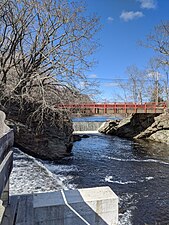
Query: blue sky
x=125 y=22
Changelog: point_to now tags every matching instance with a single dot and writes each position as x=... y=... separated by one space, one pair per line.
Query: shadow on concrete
x=76 y=201
x=91 y=206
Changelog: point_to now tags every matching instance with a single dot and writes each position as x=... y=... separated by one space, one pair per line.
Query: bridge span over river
x=115 y=108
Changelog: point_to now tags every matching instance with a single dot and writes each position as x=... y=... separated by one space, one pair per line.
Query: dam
x=84 y=126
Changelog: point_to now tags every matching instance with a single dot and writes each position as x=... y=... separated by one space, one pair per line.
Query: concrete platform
x=91 y=206
x=77 y=207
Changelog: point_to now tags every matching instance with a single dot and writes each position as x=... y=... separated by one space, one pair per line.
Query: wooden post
x=145 y=108
x=115 y=108
x=125 y=108
x=105 y=109
x=95 y=111
x=5 y=195
x=155 y=107
x=135 y=107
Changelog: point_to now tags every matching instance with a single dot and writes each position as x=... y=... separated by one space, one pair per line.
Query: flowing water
x=138 y=172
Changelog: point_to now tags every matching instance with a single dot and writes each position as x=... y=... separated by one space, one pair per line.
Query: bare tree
x=149 y=85
x=156 y=81
x=136 y=83
x=44 y=49
x=158 y=40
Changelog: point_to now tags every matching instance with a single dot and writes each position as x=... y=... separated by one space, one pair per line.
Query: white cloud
x=111 y=84
x=130 y=15
x=148 y=4
x=110 y=19
x=92 y=76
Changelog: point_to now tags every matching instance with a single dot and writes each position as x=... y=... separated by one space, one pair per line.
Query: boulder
x=76 y=137
x=55 y=142
x=158 y=131
x=109 y=127
x=148 y=126
x=135 y=124
x=85 y=136
x=50 y=138
x=130 y=126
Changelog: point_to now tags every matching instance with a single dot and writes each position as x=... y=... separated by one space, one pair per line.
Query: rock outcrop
x=150 y=126
x=109 y=127
x=158 y=131
x=53 y=142
x=130 y=126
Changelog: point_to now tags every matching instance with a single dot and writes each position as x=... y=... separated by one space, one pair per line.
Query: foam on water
x=31 y=175
x=109 y=179
x=149 y=178
x=139 y=160
x=60 y=168
x=125 y=218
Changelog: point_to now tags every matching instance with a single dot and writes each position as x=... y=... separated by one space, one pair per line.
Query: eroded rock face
x=54 y=143
x=158 y=131
x=130 y=126
x=109 y=127
x=135 y=124
x=150 y=126
x=55 y=140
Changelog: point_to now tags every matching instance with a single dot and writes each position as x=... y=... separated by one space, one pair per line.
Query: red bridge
x=116 y=108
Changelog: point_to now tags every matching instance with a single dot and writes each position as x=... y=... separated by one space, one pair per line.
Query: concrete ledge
x=86 y=132
x=84 y=206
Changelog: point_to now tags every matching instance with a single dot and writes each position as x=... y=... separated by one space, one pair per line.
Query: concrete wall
x=92 y=206
x=86 y=126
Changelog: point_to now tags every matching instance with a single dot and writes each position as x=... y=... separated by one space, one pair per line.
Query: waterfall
x=86 y=126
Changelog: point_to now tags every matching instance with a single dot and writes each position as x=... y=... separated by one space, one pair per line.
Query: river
x=138 y=172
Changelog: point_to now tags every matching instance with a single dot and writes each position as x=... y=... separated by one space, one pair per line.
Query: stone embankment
x=140 y=126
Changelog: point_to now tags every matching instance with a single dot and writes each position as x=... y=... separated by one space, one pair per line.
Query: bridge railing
x=125 y=107
x=6 y=162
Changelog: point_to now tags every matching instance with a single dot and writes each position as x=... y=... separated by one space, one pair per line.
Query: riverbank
x=149 y=126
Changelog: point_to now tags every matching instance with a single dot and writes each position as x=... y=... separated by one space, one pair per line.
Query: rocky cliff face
x=55 y=140
x=158 y=131
x=153 y=127
x=130 y=126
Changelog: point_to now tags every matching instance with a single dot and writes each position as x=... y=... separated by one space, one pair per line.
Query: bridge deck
x=19 y=211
